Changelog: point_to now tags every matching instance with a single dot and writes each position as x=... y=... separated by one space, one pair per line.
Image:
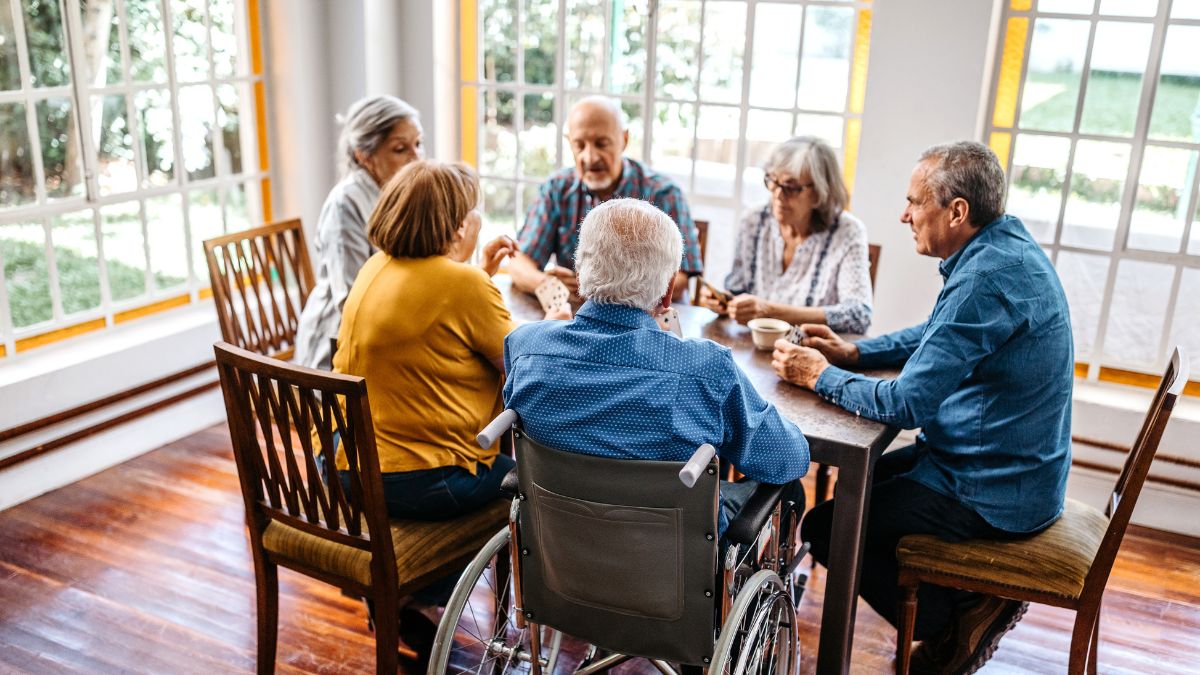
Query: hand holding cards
x=795 y=335
x=721 y=296
x=553 y=295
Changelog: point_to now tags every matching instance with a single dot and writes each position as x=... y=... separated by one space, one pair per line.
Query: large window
x=708 y=87
x=1096 y=114
x=129 y=133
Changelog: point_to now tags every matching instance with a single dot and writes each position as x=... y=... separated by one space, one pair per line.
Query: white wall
x=925 y=85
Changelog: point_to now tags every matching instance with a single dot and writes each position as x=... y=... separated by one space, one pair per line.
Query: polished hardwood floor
x=144 y=568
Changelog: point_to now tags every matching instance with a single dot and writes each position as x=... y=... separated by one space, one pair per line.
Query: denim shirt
x=612 y=383
x=988 y=377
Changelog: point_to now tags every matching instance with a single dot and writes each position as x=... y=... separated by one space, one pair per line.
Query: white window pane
x=190 y=42
x=1129 y=7
x=227 y=45
x=1185 y=329
x=539 y=40
x=1094 y=202
x=77 y=260
x=153 y=109
x=196 y=122
x=724 y=47
x=825 y=63
x=1185 y=9
x=1194 y=239
x=229 y=121
x=101 y=24
x=147 y=40
x=717 y=151
x=18 y=184
x=498 y=23
x=539 y=139
x=499 y=210
x=1039 y=168
x=168 y=247
x=62 y=152
x=718 y=259
x=10 y=72
x=1176 y=114
x=1114 y=86
x=26 y=273
x=1066 y=6
x=49 y=65
x=678 y=49
x=635 y=123
x=586 y=35
x=1051 y=91
x=628 y=74
x=206 y=222
x=1083 y=277
x=826 y=127
x=776 y=51
x=124 y=250
x=237 y=208
x=115 y=166
x=765 y=129
x=499 y=157
x=671 y=152
x=1160 y=209
x=1137 y=310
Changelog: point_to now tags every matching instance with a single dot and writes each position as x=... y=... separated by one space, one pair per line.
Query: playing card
x=722 y=296
x=795 y=335
x=669 y=321
x=553 y=294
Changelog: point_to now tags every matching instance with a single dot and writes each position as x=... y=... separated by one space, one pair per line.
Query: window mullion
x=31 y=126
x=560 y=90
x=1138 y=144
x=650 y=87
x=52 y=270
x=177 y=138
x=696 y=103
x=744 y=121
x=83 y=104
x=799 y=66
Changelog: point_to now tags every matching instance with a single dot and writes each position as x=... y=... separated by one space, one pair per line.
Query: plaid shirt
x=552 y=224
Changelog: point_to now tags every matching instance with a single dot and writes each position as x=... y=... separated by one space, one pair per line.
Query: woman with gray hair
x=801 y=257
x=380 y=135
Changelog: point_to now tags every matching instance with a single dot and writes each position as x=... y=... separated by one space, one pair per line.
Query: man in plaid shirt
x=598 y=139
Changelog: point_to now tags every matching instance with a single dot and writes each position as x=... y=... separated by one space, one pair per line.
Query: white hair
x=628 y=252
x=610 y=105
x=368 y=124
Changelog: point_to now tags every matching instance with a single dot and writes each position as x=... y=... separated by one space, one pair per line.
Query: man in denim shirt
x=987 y=378
x=613 y=383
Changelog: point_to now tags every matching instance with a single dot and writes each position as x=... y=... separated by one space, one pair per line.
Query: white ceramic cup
x=766 y=331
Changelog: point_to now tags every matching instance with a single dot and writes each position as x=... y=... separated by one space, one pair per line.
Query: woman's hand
x=837 y=351
x=494 y=252
x=745 y=307
x=710 y=301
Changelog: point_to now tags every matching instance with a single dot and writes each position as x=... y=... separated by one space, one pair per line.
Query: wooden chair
x=283 y=421
x=702 y=239
x=1066 y=565
x=260 y=280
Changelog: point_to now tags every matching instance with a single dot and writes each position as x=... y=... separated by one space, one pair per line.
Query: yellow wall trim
x=1008 y=86
x=155 y=308
x=60 y=334
x=858 y=71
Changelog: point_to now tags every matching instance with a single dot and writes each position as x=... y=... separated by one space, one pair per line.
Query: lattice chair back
x=260 y=280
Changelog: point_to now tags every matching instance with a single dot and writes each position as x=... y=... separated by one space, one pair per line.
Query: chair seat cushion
x=423 y=548
x=1053 y=562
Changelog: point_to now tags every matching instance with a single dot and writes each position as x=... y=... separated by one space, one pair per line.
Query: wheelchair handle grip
x=691 y=471
x=491 y=433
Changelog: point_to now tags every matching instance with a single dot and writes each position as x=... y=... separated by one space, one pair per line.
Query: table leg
x=852 y=496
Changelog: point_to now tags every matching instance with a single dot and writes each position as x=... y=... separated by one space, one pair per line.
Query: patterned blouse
x=829 y=270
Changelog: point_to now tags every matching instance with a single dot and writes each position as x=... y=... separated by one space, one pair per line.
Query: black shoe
x=978 y=630
x=418 y=632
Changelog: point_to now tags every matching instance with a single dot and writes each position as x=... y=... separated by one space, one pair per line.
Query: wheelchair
x=623 y=556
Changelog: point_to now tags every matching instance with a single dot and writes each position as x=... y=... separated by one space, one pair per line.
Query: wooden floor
x=144 y=568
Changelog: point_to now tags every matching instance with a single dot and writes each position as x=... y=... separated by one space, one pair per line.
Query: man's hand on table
x=798 y=365
x=566 y=276
x=837 y=351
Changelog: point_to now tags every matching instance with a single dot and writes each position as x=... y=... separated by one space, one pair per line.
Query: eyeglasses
x=789 y=189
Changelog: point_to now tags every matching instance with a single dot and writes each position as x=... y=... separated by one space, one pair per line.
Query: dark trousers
x=440 y=494
x=900 y=507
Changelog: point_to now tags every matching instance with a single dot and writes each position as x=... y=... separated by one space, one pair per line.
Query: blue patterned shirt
x=552 y=224
x=612 y=383
x=988 y=377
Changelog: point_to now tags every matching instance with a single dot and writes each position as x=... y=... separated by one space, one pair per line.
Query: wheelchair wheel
x=760 y=635
x=478 y=632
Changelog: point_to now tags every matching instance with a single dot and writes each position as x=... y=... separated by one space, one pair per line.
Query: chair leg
x=822 y=491
x=1094 y=653
x=1084 y=639
x=267 y=590
x=907 y=621
x=387 y=632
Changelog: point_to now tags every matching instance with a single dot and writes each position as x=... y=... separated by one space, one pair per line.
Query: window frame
x=255 y=175
x=1003 y=126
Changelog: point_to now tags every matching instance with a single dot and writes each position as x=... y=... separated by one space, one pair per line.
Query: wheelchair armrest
x=510 y=486
x=491 y=433
x=746 y=525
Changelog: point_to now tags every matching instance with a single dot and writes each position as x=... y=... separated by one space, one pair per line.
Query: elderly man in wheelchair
x=622 y=536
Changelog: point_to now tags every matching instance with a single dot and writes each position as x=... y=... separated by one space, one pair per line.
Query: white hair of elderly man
x=628 y=252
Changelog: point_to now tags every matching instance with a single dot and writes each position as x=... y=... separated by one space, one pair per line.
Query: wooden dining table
x=835 y=436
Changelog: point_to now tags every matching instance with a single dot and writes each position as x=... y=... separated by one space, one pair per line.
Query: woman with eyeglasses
x=801 y=257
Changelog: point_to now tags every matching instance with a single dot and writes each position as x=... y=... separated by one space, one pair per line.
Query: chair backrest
x=620 y=553
x=283 y=420
x=1133 y=475
x=260 y=281
x=702 y=239
x=873 y=262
